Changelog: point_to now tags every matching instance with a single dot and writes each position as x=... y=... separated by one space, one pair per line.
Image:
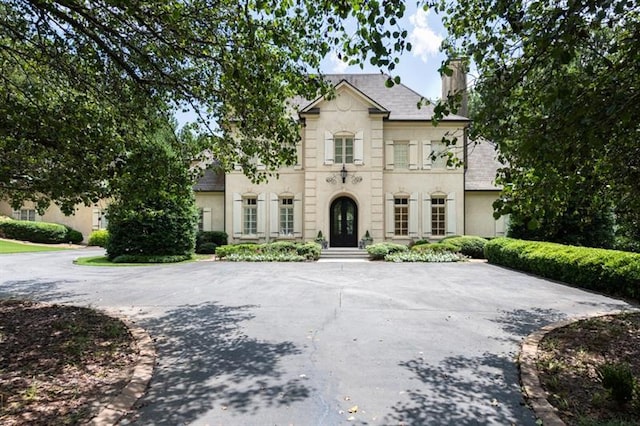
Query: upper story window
x=401 y=154
x=343 y=149
x=438 y=153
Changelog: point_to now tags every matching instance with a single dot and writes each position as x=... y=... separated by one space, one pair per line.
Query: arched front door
x=344 y=223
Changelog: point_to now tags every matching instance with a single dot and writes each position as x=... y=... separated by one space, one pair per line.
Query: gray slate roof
x=481 y=167
x=399 y=100
x=211 y=181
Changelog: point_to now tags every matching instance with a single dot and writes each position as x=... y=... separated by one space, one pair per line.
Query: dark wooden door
x=344 y=223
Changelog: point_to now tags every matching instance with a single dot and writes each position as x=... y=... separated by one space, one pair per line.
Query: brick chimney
x=456 y=83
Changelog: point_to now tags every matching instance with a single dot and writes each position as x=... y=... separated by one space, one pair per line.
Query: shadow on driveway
x=206 y=362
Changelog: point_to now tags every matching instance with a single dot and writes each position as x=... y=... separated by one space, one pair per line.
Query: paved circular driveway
x=319 y=343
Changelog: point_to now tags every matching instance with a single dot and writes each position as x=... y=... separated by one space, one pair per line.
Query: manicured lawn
x=16 y=247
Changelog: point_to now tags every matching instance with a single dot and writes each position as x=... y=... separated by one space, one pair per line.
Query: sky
x=417 y=69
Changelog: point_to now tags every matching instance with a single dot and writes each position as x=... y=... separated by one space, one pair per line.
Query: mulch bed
x=570 y=359
x=59 y=364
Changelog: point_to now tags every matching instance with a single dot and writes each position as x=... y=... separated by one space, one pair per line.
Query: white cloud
x=338 y=66
x=425 y=42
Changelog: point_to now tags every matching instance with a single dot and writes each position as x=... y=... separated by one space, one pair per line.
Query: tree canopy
x=83 y=80
x=559 y=83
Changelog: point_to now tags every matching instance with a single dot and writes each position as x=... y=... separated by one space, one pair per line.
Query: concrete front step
x=343 y=253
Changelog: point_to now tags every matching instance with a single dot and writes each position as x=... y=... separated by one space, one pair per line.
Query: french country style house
x=369 y=160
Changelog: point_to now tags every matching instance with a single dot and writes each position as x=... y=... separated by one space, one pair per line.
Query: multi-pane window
x=25 y=214
x=286 y=216
x=249 y=216
x=438 y=153
x=401 y=155
x=438 y=223
x=401 y=215
x=343 y=149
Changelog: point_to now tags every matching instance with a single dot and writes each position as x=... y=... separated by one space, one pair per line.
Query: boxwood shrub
x=378 y=251
x=611 y=272
x=98 y=238
x=36 y=232
x=73 y=236
x=468 y=245
x=218 y=238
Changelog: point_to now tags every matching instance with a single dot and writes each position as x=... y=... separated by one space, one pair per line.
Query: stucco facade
x=390 y=197
x=369 y=160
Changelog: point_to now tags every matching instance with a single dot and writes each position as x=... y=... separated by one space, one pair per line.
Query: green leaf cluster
x=555 y=89
x=83 y=81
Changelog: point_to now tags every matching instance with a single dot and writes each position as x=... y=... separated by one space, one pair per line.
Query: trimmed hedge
x=378 y=251
x=607 y=271
x=98 y=238
x=38 y=232
x=280 y=251
x=468 y=245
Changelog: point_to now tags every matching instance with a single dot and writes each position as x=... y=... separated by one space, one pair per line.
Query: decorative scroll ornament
x=344 y=174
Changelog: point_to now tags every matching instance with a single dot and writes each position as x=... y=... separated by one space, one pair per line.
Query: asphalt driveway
x=305 y=344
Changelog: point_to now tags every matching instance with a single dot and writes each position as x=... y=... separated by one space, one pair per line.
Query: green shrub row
x=98 y=238
x=424 y=256
x=467 y=245
x=378 y=251
x=270 y=251
x=39 y=232
x=608 y=271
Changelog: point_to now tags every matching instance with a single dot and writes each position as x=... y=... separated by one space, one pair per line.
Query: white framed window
x=249 y=216
x=438 y=216
x=286 y=216
x=99 y=220
x=401 y=154
x=25 y=214
x=343 y=149
x=438 y=155
x=401 y=216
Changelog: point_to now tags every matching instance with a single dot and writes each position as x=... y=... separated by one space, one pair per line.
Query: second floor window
x=343 y=150
x=401 y=155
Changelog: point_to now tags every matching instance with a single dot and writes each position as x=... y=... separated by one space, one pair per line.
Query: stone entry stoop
x=344 y=253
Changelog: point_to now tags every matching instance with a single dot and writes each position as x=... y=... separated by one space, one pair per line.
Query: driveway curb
x=119 y=405
x=533 y=392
